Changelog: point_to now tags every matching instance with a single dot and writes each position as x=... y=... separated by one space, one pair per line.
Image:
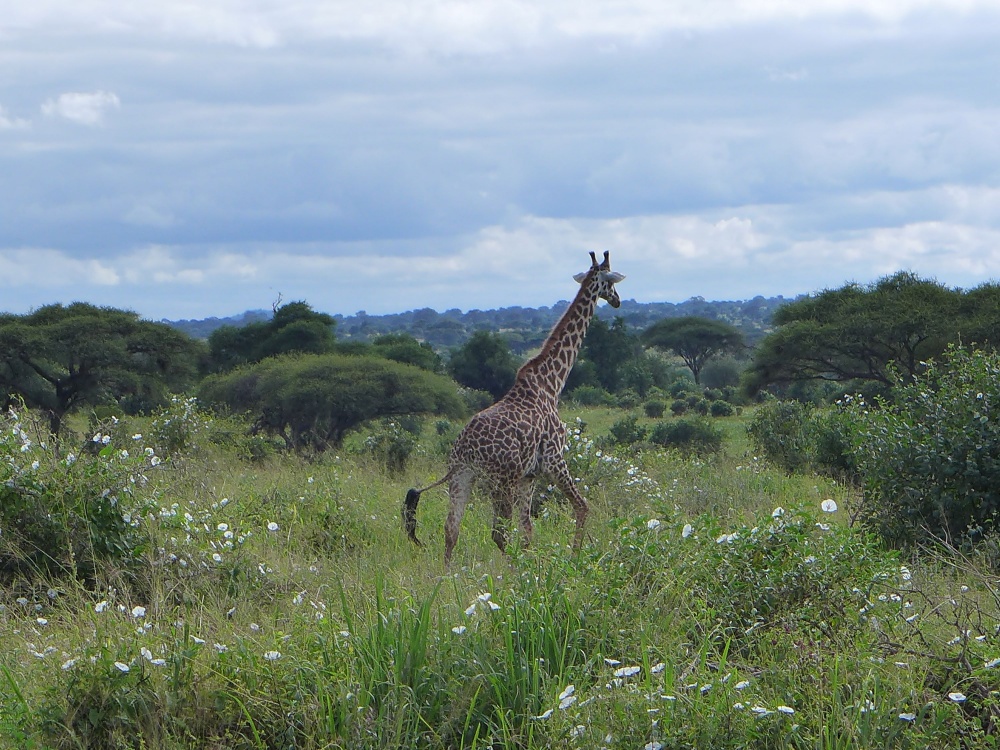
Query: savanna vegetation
x=802 y=563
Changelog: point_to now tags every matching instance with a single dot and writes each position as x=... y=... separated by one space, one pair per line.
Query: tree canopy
x=60 y=358
x=295 y=327
x=855 y=332
x=314 y=400
x=485 y=363
x=695 y=340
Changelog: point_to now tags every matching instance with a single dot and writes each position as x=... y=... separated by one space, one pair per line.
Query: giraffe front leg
x=524 y=510
x=564 y=481
x=503 y=506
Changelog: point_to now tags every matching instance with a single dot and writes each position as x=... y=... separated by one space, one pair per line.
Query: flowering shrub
x=68 y=512
x=930 y=460
x=391 y=444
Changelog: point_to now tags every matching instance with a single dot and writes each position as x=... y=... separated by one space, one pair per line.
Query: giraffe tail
x=410 y=515
x=410 y=508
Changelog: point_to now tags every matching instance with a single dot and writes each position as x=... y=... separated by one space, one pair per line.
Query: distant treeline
x=524 y=328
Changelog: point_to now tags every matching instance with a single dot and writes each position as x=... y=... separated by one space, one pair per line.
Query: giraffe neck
x=549 y=369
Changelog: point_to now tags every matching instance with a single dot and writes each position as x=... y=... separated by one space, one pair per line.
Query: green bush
x=687 y=436
x=778 y=430
x=678 y=407
x=591 y=395
x=654 y=409
x=721 y=409
x=391 y=444
x=799 y=438
x=628 y=431
x=930 y=460
x=71 y=513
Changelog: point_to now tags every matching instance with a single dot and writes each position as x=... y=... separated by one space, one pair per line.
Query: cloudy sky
x=195 y=158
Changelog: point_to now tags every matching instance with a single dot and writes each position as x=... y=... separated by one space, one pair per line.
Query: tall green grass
x=276 y=603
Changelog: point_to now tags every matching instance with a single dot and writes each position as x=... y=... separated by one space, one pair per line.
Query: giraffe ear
x=579 y=277
x=613 y=276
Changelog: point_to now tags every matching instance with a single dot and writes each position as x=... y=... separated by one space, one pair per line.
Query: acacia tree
x=694 y=339
x=855 y=332
x=314 y=400
x=295 y=327
x=485 y=363
x=61 y=358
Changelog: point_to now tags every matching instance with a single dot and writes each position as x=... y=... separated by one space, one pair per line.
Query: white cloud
x=12 y=123
x=84 y=108
x=52 y=269
x=445 y=25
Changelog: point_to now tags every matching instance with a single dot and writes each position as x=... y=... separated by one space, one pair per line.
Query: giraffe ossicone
x=520 y=437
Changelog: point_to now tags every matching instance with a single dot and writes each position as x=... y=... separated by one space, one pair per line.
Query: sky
x=199 y=158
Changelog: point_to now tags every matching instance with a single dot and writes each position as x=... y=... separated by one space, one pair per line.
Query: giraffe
x=521 y=436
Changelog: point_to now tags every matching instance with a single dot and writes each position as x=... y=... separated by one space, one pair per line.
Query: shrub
x=930 y=460
x=391 y=444
x=778 y=430
x=654 y=409
x=628 y=431
x=721 y=409
x=74 y=512
x=591 y=395
x=687 y=435
x=678 y=407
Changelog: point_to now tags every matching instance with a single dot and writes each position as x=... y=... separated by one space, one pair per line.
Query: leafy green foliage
x=687 y=436
x=390 y=444
x=628 y=431
x=853 y=333
x=406 y=349
x=71 y=514
x=695 y=340
x=61 y=359
x=796 y=437
x=312 y=401
x=294 y=327
x=930 y=460
x=485 y=363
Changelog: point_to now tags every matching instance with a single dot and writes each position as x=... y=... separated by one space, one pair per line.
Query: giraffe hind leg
x=459 y=489
x=564 y=481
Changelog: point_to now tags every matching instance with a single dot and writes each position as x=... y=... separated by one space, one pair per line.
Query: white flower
x=41 y=621
x=687 y=531
x=907 y=716
x=778 y=512
x=254 y=627
x=829 y=505
x=35 y=465
x=272 y=655
x=154 y=461
x=146 y=653
x=759 y=711
x=657 y=668
x=823 y=526
x=566 y=702
x=471 y=610
x=627 y=671
x=101 y=606
x=653 y=746
x=653 y=524
x=272 y=526
x=223 y=527
x=786 y=710
x=957 y=697
x=68 y=664
x=567 y=692
x=992 y=663
x=123 y=668
x=106 y=439
x=217 y=557
x=742 y=685
x=459 y=629
x=611 y=662
x=220 y=647
x=138 y=612
x=577 y=731
x=196 y=639
x=137 y=436
x=542 y=717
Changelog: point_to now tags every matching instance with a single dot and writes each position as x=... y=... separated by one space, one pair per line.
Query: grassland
x=275 y=603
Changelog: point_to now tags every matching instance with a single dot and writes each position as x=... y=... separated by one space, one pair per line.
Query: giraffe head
x=601 y=275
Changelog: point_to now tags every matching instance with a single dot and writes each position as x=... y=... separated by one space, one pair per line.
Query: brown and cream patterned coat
x=520 y=437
